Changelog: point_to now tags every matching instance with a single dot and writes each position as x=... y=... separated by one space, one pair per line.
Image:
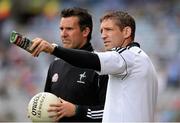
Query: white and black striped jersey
x=132 y=87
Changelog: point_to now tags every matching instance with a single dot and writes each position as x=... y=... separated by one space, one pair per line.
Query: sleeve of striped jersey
x=114 y=62
x=93 y=113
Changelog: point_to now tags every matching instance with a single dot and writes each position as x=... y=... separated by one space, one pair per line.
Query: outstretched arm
x=78 y=58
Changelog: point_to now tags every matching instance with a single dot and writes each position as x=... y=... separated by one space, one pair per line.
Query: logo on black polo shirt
x=55 y=77
x=83 y=75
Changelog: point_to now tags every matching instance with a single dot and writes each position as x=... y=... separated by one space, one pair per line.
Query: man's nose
x=103 y=35
x=63 y=33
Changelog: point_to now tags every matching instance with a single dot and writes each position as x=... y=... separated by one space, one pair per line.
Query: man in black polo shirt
x=82 y=91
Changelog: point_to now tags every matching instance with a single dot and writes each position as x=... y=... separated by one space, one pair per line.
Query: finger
x=36 y=46
x=39 y=49
x=53 y=115
x=53 y=109
x=35 y=53
x=55 y=118
x=56 y=114
x=54 y=105
x=36 y=42
x=61 y=115
x=61 y=100
x=58 y=104
x=58 y=118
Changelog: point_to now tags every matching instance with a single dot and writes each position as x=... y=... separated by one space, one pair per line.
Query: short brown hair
x=122 y=19
x=85 y=19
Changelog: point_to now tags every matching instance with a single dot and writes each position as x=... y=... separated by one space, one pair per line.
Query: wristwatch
x=54 y=46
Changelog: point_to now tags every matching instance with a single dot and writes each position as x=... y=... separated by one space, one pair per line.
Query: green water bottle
x=21 y=41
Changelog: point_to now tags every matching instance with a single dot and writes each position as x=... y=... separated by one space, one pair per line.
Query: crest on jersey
x=55 y=77
x=81 y=77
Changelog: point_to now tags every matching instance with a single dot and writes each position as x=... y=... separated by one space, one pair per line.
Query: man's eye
x=69 y=28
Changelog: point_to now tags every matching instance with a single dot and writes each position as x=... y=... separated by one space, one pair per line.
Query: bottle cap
x=13 y=37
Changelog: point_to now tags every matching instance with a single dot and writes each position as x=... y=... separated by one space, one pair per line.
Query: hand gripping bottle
x=21 y=41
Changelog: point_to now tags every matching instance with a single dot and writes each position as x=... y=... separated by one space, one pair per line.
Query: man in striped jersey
x=132 y=86
x=82 y=91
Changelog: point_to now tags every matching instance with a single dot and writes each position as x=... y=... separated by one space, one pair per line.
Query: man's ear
x=86 y=32
x=127 y=32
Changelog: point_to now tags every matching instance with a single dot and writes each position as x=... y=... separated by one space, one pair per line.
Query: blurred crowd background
x=22 y=76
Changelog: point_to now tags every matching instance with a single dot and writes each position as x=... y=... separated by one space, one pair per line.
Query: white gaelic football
x=38 y=106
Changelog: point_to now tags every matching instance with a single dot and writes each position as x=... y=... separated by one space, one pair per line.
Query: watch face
x=54 y=45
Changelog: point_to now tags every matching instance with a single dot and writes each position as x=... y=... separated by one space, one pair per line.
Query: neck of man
x=126 y=43
x=87 y=46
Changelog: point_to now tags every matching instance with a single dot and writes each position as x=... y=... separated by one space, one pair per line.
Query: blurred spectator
x=173 y=77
